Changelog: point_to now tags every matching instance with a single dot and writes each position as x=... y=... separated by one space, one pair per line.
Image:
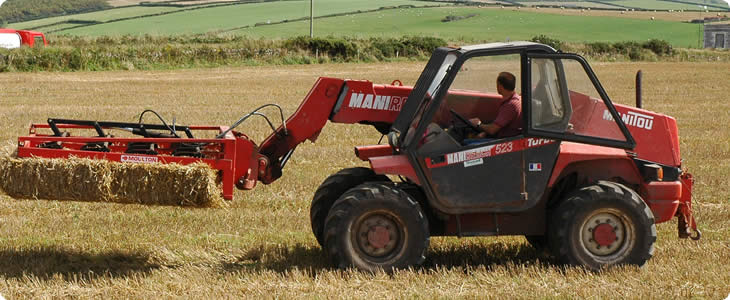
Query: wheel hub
x=377 y=235
x=604 y=233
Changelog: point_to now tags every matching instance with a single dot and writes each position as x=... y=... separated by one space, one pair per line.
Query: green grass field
x=221 y=18
x=644 y=4
x=101 y=16
x=567 y=4
x=658 y=5
x=489 y=25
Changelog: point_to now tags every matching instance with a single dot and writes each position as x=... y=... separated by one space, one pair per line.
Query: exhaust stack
x=638 y=89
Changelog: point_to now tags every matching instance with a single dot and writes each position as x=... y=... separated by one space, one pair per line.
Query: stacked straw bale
x=81 y=179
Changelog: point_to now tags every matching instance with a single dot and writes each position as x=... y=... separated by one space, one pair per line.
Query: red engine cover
x=656 y=135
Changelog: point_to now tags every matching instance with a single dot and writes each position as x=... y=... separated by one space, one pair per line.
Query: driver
x=509 y=116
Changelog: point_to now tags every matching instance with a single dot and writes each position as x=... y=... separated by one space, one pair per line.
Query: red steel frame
x=234 y=155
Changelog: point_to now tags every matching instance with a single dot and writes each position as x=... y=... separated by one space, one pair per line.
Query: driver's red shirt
x=509 y=117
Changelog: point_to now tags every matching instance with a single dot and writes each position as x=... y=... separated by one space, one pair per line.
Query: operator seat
x=437 y=140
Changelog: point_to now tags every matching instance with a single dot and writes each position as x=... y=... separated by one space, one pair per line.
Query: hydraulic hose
x=256 y=113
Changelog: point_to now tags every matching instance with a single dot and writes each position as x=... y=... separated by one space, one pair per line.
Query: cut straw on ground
x=79 y=179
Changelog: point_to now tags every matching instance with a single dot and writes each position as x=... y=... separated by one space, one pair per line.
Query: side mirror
x=393 y=139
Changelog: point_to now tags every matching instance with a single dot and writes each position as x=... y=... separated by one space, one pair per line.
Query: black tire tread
x=561 y=218
x=366 y=194
x=331 y=189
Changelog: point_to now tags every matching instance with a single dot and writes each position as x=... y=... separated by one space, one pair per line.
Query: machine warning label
x=139 y=159
x=475 y=162
x=469 y=155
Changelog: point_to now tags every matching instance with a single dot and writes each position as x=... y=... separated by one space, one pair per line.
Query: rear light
x=653 y=172
x=660 y=174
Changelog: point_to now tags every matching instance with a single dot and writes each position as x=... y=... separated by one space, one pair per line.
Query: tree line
x=13 y=11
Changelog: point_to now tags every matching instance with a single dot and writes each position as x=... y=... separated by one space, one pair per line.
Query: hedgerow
x=146 y=52
x=162 y=52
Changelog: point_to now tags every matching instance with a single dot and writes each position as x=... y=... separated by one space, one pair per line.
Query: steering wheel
x=465 y=121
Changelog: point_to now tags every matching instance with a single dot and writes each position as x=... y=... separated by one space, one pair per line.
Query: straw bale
x=80 y=179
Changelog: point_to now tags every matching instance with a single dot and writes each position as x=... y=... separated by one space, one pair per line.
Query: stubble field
x=262 y=247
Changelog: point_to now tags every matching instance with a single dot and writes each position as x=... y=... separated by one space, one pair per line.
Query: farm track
x=261 y=246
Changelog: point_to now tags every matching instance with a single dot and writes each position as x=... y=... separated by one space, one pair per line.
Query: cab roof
x=508 y=46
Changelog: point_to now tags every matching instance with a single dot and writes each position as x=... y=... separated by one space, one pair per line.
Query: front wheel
x=376 y=226
x=331 y=189
x=602 y=225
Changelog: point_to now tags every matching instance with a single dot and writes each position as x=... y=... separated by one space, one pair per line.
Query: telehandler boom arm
x=336 y=100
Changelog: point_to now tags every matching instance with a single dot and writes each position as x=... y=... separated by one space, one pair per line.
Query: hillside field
x=262 y=247
x=489 y=25
x=695 y=5
x=642 y=15
x=205 y=18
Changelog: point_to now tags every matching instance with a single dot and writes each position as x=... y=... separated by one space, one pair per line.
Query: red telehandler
x=586 y=178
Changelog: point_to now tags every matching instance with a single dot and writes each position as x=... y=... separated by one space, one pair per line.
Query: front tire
x=376 y=226
x=331 y=189
x=602 y=225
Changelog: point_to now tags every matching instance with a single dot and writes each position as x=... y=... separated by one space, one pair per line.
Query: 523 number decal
x=503 y=148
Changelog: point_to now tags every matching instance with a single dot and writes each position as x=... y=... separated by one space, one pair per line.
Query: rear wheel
x=602 y=225
x=376 y=226
x=331 y=189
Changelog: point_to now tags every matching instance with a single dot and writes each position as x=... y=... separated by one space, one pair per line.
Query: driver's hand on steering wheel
x=476 y=122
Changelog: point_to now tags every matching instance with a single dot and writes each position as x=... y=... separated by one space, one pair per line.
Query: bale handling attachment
x=240 y=162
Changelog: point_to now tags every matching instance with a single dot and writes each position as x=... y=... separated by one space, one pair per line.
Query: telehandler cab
x=585 y=178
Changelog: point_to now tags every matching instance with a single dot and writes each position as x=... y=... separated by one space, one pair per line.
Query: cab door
x=494 y=175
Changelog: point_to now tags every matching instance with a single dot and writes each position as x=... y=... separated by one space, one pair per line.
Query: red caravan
x=11 y=38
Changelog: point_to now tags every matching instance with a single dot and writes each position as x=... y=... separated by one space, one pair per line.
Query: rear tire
x=376 y=226
x=331 y=189
x=602 y=225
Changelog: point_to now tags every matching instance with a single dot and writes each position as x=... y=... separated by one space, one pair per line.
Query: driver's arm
x=489 y=128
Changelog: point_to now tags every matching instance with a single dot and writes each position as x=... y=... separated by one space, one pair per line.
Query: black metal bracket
x=135 y=128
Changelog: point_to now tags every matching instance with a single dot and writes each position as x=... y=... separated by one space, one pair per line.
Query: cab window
x=565 y=100
x=473 y=93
